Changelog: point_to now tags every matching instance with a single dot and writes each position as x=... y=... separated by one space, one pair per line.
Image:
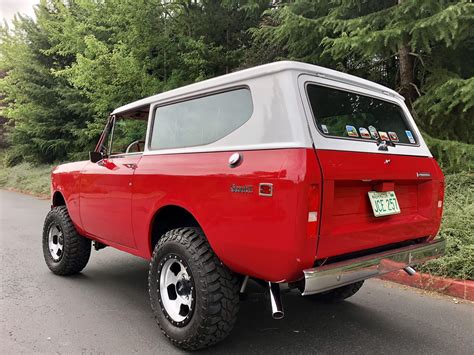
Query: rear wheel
x=65 y=251
x=338 y=294
x=194 y=297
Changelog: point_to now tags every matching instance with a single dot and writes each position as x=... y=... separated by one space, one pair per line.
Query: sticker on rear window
x=373 y=132
x=364 y=133
x=410 y=137
x=351 y=131
x=324 y=128
x=393 y=136
x=384 y=136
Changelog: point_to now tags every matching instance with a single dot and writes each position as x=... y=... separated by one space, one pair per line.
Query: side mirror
x=94 y=157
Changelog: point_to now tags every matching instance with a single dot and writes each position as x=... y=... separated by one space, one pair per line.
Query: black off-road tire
x=76 y=248
x=215 y=290
x=338 y=294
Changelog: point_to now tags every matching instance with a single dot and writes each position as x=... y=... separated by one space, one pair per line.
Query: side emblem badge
x=245 y=189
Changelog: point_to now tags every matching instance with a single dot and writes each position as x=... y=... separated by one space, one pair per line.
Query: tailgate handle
x=383 y=145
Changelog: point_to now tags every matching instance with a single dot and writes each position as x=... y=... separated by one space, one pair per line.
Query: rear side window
x=200 y=121
x=348 y=115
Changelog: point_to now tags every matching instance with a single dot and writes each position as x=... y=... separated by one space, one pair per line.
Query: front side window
x=124 y=135
x=346 y=114
x=200 y=121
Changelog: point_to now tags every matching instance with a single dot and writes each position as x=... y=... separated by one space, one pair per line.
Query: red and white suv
x=283 y=173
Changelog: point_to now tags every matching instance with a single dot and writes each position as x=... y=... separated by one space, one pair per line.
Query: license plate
x=384 y=203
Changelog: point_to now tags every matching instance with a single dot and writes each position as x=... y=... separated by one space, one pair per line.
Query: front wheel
x=65 y=251
x=195 y=298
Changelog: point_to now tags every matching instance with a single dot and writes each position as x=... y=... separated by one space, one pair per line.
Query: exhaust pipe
x=275 y=299
x=409 y=270
x=244 y=284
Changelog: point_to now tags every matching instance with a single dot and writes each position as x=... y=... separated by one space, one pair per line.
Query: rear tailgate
x=348 y=223
x=366 y=140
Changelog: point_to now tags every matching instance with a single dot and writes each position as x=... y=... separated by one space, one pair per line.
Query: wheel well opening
x=168 y=218
x=58 y=199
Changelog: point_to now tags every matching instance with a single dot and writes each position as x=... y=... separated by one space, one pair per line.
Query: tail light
x=439 y=205
x=313 y=209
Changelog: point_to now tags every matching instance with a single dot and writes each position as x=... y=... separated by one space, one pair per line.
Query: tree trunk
x=407 y=77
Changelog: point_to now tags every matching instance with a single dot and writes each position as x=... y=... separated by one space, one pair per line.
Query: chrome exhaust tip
x=275 y=300
x=409 y=270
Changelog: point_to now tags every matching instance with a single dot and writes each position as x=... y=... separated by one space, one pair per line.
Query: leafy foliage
x=457 y=227
x=423 y=49
x=80 y=59
x=452 y=156
x=39 y=105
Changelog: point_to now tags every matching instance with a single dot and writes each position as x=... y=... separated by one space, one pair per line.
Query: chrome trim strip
x=328 y=277
x=423 y=175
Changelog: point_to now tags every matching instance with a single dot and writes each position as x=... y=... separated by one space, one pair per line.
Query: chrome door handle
x=130 y=166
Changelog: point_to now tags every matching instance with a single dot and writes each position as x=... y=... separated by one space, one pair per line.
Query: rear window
x=201 y=120
x=348 y=115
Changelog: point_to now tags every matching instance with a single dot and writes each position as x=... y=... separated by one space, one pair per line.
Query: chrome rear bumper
x=328 y=277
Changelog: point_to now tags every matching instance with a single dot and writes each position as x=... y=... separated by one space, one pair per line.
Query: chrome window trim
x=230 y=148
x=124 y=155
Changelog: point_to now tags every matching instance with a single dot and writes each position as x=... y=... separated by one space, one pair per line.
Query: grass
x=27 y=178
x=457 y=226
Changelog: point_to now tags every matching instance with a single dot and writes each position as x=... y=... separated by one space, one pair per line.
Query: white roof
x=260 y=71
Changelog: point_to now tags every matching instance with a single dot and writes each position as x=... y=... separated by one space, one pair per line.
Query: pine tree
x=43 y=119
x=404 y=44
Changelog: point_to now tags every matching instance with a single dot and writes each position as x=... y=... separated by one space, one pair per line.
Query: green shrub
x=452 y=156
x=458 y=229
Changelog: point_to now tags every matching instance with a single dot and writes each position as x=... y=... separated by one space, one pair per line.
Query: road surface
x=105 y=309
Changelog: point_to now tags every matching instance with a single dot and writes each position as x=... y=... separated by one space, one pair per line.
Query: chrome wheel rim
x=176 y=290
x=55 y=241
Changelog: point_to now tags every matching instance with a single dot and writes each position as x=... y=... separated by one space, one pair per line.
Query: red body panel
x=65 y=179
x=255 y=235
x=106 y=198
x=261 y=236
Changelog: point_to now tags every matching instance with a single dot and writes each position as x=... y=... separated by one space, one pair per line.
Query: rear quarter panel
x=260 y=236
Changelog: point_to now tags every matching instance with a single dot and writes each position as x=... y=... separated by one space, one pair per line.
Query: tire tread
x=219 y=309
x=77 y=249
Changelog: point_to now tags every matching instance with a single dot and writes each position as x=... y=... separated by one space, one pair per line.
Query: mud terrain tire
x=74 y=249
x=213 y=288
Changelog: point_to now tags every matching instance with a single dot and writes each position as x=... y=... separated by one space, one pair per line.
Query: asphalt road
x=105 y=309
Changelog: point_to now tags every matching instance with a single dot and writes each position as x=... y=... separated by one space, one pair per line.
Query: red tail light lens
x=313 y=209
x=440 y=202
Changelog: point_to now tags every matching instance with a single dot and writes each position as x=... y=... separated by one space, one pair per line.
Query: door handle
x=130 y=166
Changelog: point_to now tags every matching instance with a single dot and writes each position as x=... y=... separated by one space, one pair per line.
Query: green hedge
x=458 y=229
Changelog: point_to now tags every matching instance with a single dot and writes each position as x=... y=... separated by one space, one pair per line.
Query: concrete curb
x=463 y=289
